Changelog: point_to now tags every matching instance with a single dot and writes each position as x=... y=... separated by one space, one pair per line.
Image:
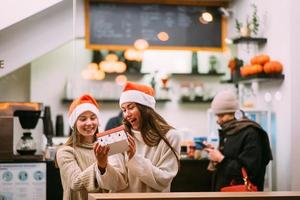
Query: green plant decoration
x=250 y=27
x=254 y=22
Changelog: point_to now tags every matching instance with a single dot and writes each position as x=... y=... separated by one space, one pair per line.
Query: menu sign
x=25 y=181
x=118 y=25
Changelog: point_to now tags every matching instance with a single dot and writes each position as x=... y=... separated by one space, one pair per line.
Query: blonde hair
x=74 y=138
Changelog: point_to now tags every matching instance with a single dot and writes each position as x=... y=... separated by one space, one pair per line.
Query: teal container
x=198 y=142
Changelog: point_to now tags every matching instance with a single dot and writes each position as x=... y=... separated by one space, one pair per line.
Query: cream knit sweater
x=77 y=171
x=151 y=169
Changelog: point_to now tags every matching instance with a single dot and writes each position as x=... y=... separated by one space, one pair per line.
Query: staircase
x=32 y=28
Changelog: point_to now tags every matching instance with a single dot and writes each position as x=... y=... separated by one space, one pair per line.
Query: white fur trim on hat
x=137 y=97
x=81 y=108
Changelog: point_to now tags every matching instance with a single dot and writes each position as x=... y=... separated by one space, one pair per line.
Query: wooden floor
x=199 y=196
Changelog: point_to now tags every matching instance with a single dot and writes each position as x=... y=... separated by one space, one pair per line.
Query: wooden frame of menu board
x=116 y=24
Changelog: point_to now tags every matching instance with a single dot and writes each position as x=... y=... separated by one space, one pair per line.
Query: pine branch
x=255 y=23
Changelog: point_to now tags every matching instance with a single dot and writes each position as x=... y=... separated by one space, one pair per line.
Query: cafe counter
x=283 y=195
x=193 y=176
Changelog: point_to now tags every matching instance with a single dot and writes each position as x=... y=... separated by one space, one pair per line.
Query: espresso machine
x=24 y=127
x=21 y=131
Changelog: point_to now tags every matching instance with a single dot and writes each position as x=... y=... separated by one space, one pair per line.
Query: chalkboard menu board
x=119 y=25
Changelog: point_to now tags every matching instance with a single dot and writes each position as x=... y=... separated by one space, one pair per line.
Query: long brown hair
x=153 y=128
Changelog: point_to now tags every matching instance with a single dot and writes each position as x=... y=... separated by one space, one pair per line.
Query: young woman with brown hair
x=152 y=160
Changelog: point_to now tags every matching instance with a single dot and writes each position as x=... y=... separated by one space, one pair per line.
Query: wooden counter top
x=282 y=195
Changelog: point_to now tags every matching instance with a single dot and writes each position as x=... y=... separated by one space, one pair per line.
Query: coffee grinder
x=21 y=132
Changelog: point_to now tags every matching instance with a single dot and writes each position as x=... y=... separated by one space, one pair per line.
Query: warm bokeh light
x=93 y=66
x=206 y=17
x=141 y=44
x=202 y=21
x=130 y=54
x=121 y=80
x=99 y=75
x=228 y=41
x=133 y=55
x=107 y=66
x=113 y=66
x=92 y=74
x=120 y=67
x=163 y=36
x=110 y=64
x=111 y=57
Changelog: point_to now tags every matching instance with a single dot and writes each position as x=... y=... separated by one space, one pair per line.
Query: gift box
x=115 y=138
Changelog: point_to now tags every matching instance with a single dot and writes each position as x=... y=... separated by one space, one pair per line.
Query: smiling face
x=87 y=124
x=132 y=114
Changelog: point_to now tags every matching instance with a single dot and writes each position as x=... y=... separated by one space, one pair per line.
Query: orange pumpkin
x=273 y=67
x=245 y=70
x=257 y=69
x=260 y=59
x=251 y=70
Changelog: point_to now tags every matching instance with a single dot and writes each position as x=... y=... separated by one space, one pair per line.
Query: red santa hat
x=80 y=105
x=138 y=93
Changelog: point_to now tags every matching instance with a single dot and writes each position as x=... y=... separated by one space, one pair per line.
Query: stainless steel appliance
x=26 y=176
x=21 y=127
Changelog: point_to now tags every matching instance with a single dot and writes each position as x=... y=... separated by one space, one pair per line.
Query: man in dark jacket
x=114 y=121
x=243 y=143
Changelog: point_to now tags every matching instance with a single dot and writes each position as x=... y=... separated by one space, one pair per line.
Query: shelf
x=199 y=101
x=127 y=74
x=65 y=100
x=250 y=40
x=198 y=74
x=226 y=81
x=256 y=78
x=260 y=78
x=162 y=100
x=175 y=74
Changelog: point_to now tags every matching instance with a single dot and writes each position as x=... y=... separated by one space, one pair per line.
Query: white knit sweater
x=77 y=171
x=151 y=169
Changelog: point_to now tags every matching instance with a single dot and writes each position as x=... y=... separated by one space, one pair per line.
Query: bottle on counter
x=50 y=150
x=47 y=122
x=59 y=126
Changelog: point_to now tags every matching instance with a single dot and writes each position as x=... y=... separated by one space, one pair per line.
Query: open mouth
x=132 y=121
